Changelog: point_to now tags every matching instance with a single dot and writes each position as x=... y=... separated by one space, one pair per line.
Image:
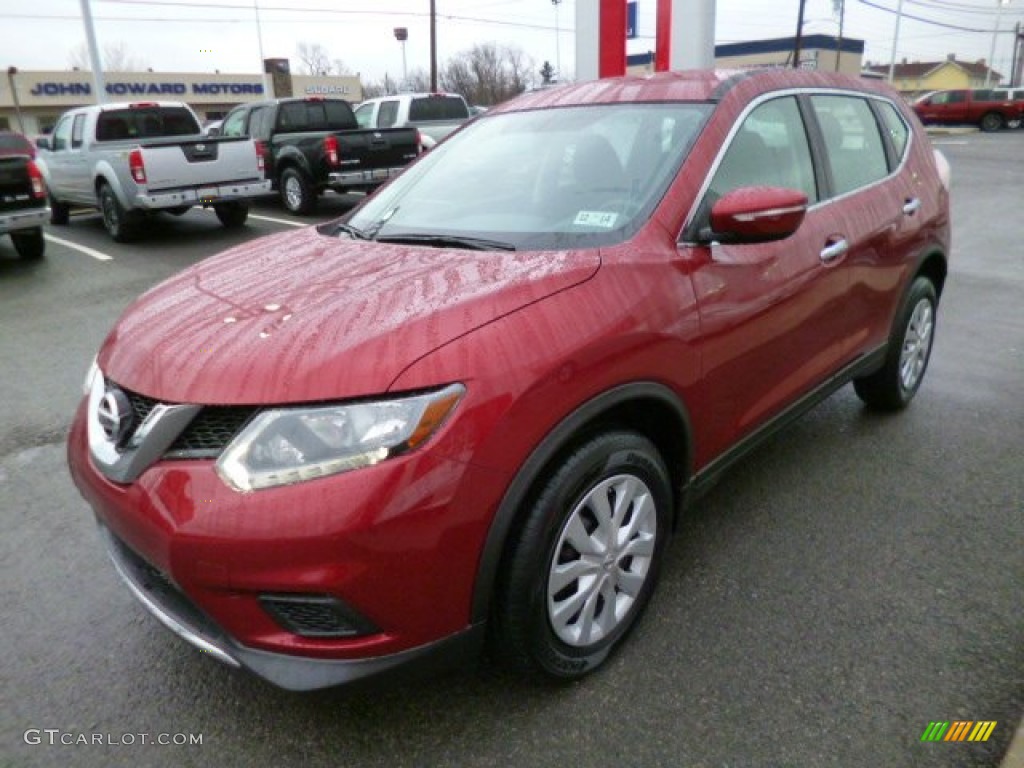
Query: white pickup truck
x=129 y=160
x=434 y=114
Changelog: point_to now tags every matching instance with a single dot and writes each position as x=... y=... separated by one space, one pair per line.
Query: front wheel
x=910 y=346
x=297 y=193
x=992 y=121
x=122 y=225
x=232 y=215
x=29 y=244
x=586 y=561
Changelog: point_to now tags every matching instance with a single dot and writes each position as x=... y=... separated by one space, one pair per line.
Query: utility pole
x=558 y=41
x=1018 y=56
x=433 y=46
x=798 y=41
x=895 y=39
x=11 y=72
x=839 y=40
x=995 y=35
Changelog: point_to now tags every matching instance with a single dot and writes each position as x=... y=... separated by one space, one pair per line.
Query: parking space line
x=99 y=256
x=281 y=221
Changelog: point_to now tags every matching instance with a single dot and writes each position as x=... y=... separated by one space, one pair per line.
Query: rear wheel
x=297 y=193
x=586 y=561
x=59 y=212
x=122 y=225
x=232 y=215
x=29 y=243
x=992 y=121
x=910 y=347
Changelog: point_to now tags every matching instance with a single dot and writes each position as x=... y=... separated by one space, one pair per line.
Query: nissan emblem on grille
x=115 y=415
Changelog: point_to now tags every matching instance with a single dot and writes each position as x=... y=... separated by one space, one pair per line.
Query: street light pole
x=11 y=72
x=433 y=46
x=94 y=54
x=798 y=41
x=267 y=90
x=995 y=34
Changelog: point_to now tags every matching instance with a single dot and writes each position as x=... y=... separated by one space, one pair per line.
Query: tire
x=992 y=121
x=893 y=386
x=29 y=243
x=561 y=612
x=121 y=225
x=60 y=213
x=232 y=215
x=297 y=193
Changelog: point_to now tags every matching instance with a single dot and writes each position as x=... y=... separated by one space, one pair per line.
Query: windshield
x=547 y=179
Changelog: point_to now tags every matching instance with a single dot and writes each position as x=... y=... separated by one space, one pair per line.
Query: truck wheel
x=232 y=215
x=59 y=212
x=120 y=224
x=29 y=244
x=297 y=192
x=992 y=121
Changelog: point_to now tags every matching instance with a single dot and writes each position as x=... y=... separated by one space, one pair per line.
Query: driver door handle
x=834 y=250
x=912 y=206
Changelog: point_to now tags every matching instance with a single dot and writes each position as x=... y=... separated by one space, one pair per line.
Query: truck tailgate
x=199 y=161
x=377 y=148
x=15 y=185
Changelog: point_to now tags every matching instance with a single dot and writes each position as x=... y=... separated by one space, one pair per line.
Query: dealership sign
x=129 y=88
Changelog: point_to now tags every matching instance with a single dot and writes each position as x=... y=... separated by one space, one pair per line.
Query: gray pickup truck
x=130 y=160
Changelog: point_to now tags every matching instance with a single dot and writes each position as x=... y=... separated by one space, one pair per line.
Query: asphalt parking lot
x=856 y=579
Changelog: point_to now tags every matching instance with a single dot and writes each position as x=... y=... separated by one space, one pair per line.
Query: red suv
x=483 y=398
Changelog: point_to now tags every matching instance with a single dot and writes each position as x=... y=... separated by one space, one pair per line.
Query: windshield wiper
x=355 y=232
x=451 y=241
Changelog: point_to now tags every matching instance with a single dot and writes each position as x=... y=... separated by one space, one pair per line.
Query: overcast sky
x=197 y=36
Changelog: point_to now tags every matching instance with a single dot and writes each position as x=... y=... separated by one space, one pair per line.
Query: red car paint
x=737 y=333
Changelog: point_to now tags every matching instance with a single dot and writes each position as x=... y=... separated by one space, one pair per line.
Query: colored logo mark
x=959 y=730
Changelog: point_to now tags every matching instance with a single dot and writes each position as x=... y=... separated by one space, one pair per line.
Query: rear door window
x=387 y=115
x=853 y=143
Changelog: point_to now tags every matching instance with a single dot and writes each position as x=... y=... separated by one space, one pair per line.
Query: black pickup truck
x=23 y=208
x=314 y=143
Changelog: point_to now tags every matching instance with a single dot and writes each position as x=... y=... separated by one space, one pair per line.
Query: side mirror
x=757 y=214
x=43 y=142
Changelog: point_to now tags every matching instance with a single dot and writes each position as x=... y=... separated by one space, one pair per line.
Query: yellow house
x=917 y=77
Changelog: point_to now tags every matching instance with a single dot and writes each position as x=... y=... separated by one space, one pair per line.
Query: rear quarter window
x=896 y=127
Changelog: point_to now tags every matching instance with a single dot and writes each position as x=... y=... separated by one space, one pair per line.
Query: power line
x=930 y=21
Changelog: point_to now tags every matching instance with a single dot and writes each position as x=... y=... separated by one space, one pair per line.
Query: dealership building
x=31 y=102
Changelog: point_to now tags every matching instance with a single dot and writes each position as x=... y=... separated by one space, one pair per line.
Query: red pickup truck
x=991 y=109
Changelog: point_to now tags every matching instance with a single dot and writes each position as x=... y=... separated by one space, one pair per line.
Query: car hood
x=302 y=316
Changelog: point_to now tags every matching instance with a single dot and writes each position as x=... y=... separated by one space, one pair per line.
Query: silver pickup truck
x=130 y=160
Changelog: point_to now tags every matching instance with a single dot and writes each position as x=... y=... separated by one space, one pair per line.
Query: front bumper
x=28 y=218
x=205 y=195
x=398 y=544
x=176 y=612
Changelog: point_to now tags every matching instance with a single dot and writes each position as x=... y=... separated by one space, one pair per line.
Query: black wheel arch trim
x=555 y=441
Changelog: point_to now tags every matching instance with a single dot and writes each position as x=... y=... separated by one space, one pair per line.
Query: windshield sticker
x=595 y=219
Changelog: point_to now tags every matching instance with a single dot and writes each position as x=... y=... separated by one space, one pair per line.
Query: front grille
x=206 y=436
x=316 y=616
x=210 y=432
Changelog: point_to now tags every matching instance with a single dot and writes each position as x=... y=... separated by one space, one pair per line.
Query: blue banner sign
x=631 y=20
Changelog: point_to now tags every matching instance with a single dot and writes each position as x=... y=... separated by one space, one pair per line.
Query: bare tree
x=488 y=73
x=340 y=68
x=115 y=58
x=384 y=87
x=314 y=59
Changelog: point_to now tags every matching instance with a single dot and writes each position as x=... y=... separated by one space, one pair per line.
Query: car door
x=78 y=171
x=865 y=145
x=58 y=160
x=770 y=312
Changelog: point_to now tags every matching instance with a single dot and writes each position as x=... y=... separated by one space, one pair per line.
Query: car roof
x=704 y=85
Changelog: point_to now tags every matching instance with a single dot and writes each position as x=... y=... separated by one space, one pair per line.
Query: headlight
x=90 y=376
x=290 y=445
